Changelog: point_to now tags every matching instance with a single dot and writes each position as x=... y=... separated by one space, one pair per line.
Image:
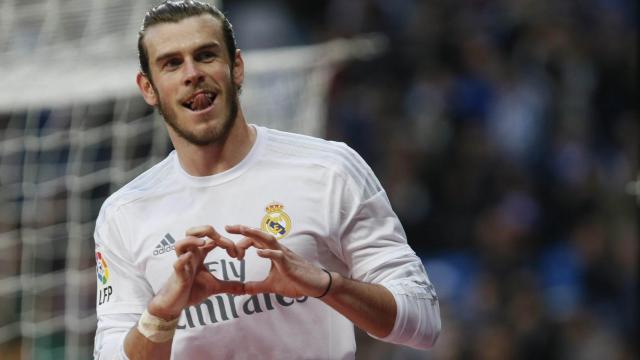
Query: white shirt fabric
x=339 y=219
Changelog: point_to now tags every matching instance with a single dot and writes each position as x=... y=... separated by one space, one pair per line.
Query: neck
x=215 y=158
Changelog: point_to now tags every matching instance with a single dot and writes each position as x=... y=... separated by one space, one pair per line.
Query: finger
x=242 y=246
x=211 y=233
x=256 y=287
x=207 y=247
x=245 y=243
x=184 y=267
x=261 y=237
x=187 y=244
x=275 y=255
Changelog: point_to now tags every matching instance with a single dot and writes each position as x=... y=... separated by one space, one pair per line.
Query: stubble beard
x=212 y=135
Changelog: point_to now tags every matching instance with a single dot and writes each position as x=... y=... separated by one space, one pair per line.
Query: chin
x=202 y=128
x=211 y=132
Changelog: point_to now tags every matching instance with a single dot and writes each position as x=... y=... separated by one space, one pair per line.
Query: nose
x=192 y=74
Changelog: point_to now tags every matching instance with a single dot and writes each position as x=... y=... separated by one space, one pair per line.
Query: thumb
x=185 y=267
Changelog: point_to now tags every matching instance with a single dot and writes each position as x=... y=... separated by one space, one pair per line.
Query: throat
x=221 y=156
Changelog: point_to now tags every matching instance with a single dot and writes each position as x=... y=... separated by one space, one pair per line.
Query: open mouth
x=199 y=101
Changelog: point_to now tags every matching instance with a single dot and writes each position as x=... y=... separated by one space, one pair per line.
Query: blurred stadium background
x=506 y=133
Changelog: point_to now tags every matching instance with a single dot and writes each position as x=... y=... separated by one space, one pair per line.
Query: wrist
x=155 y=328
x=154 y=308
x=338 y=280
x=328 y=286
x=166 y=316
x=333 y=285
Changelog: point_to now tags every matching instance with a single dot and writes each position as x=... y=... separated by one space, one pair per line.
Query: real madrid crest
x=276 y=222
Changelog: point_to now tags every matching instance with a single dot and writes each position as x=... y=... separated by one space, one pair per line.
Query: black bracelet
x=328 y=286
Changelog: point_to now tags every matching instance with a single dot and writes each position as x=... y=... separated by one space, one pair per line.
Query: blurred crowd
x=505 y=133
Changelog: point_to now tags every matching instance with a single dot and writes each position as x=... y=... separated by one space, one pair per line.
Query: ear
x=238 y=69
x=147 y=90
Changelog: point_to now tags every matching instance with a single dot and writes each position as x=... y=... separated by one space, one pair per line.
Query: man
x=288 y=240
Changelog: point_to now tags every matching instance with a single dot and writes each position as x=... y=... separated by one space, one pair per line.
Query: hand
x=290 y=274
x=191 y=282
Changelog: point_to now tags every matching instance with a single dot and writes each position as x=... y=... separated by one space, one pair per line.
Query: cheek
x=223 y=75
x=165 y=87
x=163 y=95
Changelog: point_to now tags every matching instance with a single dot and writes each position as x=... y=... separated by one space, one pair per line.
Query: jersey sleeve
x=122 y=290
x=109 y=341
x=375 y=249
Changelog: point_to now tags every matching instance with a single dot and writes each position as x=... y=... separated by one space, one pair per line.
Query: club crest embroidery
x=276 y=221
x=102 y=269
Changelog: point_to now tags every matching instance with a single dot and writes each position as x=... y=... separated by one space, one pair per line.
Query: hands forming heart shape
x=191 y=283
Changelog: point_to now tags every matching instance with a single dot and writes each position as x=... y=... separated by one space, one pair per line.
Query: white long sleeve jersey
x=319 y=198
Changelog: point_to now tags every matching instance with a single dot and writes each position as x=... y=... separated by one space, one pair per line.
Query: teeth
x=189 y=103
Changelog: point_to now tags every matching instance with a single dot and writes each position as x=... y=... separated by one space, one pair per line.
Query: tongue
x=200 y=102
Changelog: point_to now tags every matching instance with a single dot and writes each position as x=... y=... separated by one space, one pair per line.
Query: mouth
x=200 y=101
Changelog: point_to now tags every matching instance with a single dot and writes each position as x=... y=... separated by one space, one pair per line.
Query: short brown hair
x=174 y=11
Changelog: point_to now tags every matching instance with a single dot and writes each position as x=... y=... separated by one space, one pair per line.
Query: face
x=192 y=82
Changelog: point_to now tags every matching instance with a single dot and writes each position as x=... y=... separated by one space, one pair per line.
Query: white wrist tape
x=156 y=329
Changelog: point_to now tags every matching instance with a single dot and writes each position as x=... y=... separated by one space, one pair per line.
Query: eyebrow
x=211 y=45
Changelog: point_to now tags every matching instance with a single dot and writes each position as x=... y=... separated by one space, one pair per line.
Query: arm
x=375 y=247
x=123 y=291
x=373 y=244
x=166 y=305
x=189 y=284
x=372 y=307
x=137 y=346
x=117 y=332
x=386 y=292
x=114 y=327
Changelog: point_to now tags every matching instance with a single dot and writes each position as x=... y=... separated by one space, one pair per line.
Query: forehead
x=182 y=36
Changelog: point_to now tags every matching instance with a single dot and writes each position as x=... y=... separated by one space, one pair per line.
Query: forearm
x=152 y=335
x=138 y=347
x=402 y=308
x=370 y=307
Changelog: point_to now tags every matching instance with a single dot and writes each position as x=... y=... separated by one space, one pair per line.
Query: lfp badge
x=102 y=269
x=276 y=222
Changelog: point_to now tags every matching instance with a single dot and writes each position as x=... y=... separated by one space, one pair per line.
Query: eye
x=172 y=64
x=206 y=56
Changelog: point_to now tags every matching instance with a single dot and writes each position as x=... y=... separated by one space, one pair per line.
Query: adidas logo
x=167 y=244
